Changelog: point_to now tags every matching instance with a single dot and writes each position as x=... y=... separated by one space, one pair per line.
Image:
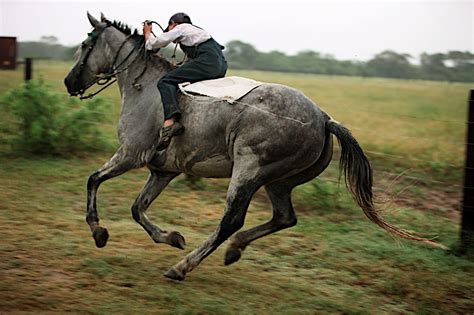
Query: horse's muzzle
x=70 y=87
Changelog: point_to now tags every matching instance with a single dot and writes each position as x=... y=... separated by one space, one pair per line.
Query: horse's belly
x=213 y=167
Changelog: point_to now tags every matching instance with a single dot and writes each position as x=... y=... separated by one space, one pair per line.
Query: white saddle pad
x=228 y=88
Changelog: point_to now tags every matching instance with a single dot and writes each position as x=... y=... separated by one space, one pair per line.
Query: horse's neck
x=142 y=112
x=141 y=71
x=128 y=63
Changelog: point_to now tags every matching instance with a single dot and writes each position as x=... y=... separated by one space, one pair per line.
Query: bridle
x=105 y=79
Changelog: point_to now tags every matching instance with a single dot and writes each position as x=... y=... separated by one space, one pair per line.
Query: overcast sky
x=354 y=30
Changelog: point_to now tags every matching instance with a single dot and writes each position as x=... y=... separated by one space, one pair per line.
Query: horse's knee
x=92 y=181
x=95 y=179
x=136 y=213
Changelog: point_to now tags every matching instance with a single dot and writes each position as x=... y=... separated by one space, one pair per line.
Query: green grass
x=333 y=261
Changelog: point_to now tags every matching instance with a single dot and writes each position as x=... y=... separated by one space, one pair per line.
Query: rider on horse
x=206 y=61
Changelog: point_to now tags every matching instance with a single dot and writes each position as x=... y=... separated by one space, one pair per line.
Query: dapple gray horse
x=274 y=137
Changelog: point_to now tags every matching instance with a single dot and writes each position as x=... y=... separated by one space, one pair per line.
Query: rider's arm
x=164 y=39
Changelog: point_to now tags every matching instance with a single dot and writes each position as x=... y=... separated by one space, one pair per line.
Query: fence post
x=467 y=220
x=28 y=69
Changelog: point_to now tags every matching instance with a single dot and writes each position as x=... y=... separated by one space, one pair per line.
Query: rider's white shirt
x=186 y=34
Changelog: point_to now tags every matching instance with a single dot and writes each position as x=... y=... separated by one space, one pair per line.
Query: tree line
x=453 y=66
x=450 y=66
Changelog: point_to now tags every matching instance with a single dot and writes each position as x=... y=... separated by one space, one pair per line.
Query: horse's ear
x=103 y=18
x=94 y=22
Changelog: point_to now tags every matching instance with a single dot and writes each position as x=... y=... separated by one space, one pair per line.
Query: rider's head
x=178 y=18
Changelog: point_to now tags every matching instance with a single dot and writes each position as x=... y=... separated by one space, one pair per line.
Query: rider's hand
x=147 y=29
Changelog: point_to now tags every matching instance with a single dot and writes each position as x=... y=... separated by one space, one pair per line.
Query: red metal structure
x=8 y=52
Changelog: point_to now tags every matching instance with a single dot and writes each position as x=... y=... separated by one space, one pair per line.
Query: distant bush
x=38 y=120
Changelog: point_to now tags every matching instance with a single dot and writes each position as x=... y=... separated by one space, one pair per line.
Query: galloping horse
x=274 y=137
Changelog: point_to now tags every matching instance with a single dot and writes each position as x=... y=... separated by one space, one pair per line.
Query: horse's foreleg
x=116 y=166
x=239 y=195
x=154 y=186
x=283 y=217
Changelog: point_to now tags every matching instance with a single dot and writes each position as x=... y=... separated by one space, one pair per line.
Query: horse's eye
x=83 y=45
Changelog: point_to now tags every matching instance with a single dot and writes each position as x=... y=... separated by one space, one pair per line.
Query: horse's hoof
x=174 y=274
x=232 y=254
x=176 y=240
x=101 y=236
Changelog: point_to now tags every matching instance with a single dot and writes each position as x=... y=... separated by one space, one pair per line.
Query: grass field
x=333 y=261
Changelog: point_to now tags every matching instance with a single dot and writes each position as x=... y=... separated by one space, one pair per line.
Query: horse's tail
x=358 y=178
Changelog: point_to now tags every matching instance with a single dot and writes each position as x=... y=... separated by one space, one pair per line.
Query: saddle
x=229 y=89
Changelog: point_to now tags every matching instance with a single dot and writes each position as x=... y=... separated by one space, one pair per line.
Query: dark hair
x=178 y=18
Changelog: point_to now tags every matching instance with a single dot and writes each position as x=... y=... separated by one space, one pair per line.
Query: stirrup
x=167 y=133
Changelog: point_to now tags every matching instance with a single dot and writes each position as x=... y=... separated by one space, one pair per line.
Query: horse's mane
x=137 y=38
x=125 y=29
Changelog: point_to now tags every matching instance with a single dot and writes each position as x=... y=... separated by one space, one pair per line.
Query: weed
x=42 y=121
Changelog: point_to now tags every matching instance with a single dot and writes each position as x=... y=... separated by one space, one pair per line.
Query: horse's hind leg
x=280 y=196
x=239 y=194
x=283 y=217
x=116 y=166
x=154 y=186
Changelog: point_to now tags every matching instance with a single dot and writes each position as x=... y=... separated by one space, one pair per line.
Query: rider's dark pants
x=206 y=62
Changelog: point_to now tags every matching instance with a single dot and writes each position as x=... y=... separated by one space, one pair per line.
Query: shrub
x=40 y=121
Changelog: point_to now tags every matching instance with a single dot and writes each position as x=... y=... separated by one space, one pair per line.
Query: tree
x=433 y=66
x=462 y=65
x=241 y=55
x=308 y=61
x=460 y=58
x=49 y=39
x=273 y=61
x=391 y=64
